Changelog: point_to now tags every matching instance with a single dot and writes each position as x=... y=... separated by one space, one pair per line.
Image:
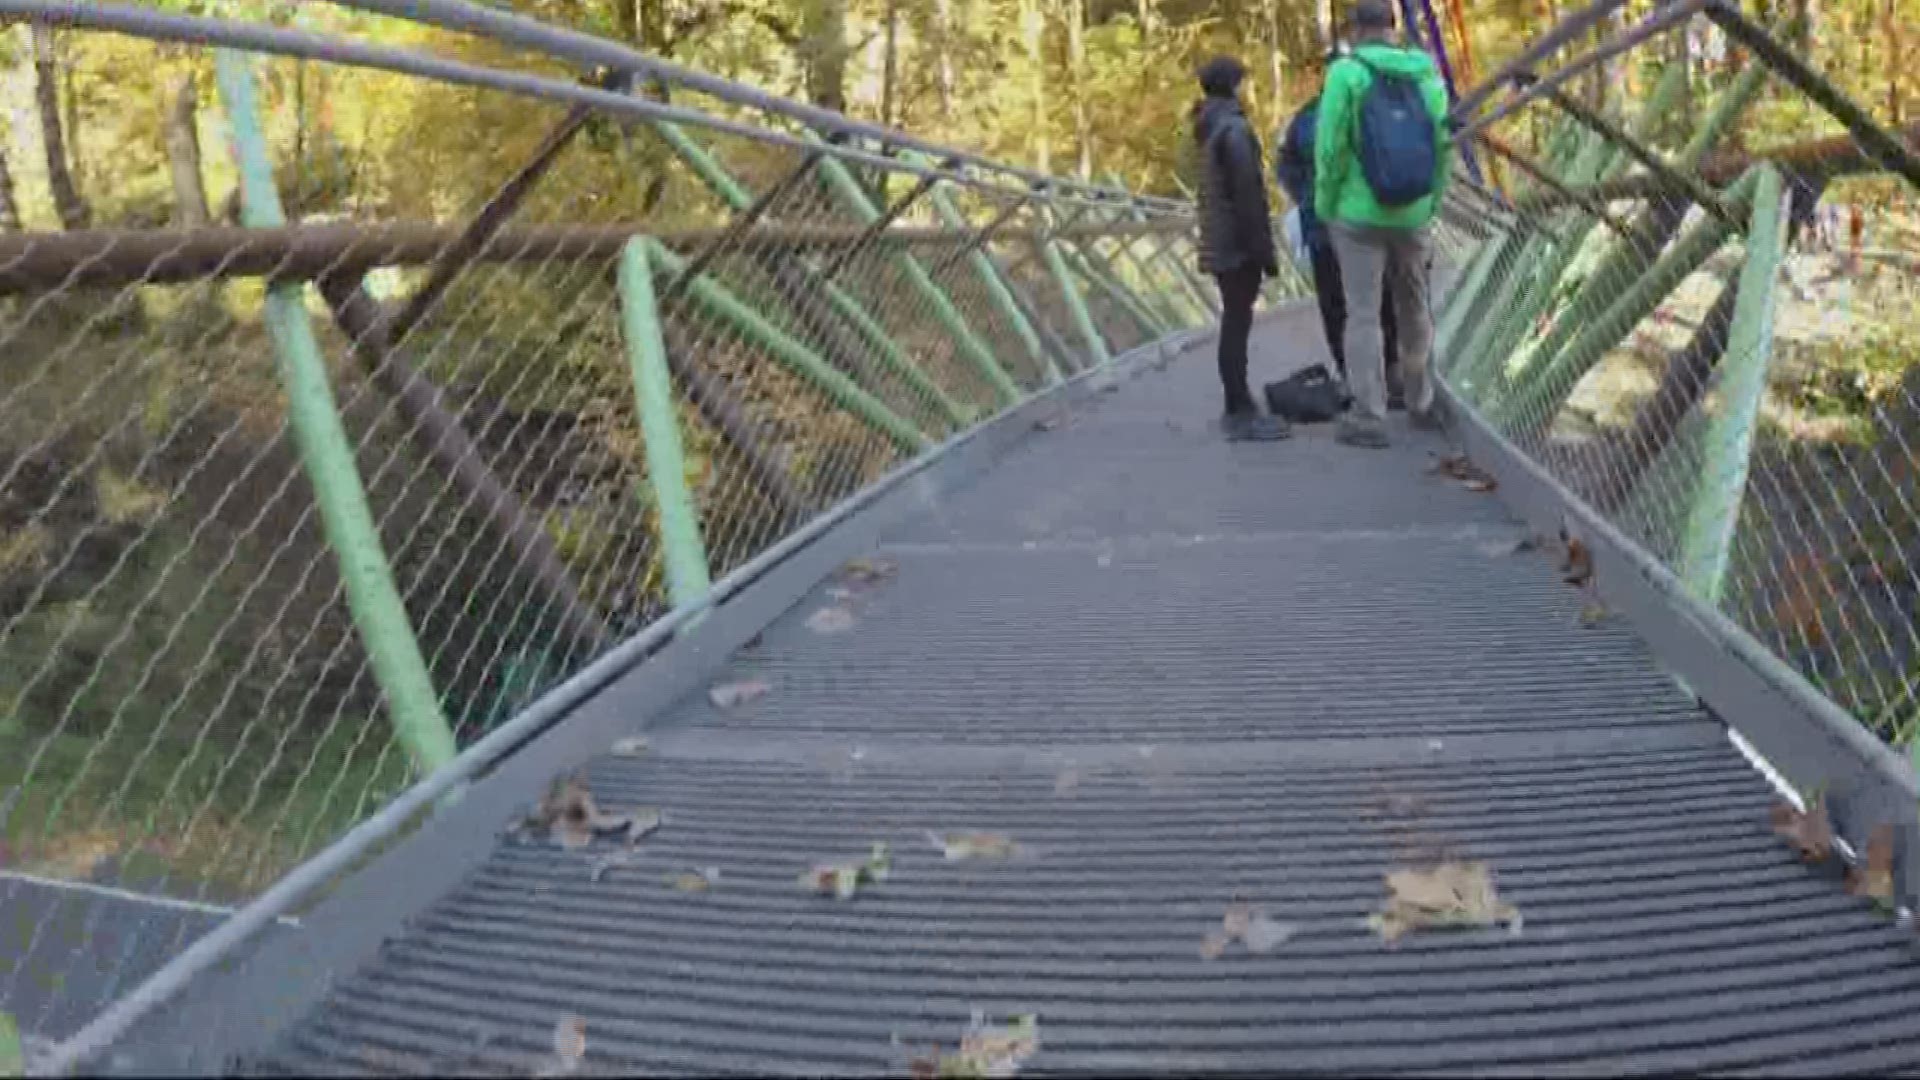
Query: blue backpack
x=1396 y=146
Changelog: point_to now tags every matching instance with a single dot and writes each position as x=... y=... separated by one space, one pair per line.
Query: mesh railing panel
x=195 y=689
x=1742 y=408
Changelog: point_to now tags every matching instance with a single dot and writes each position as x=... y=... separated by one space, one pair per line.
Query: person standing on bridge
x=1381 y=156
x=1236 y=234
x=1293 y=167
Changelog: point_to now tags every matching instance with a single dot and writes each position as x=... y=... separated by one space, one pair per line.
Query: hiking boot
x=1361 y=433
x=1425 y=420
x=1252 y=427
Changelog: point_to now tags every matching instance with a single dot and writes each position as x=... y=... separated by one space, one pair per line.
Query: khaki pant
x=1367 y=255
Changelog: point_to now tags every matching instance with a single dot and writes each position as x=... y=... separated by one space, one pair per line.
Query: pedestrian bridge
x=794 y=612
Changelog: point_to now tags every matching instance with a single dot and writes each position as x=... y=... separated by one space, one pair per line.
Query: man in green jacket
x=1381 y=233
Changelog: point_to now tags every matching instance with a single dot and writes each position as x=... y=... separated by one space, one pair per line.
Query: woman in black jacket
x=1236 y=235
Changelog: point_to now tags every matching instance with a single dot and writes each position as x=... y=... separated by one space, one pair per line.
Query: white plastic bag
x=1296 y=240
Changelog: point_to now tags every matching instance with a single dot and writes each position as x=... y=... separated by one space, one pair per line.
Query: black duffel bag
x=1308 y=396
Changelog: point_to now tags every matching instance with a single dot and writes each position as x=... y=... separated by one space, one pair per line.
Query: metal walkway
x=1176 y=671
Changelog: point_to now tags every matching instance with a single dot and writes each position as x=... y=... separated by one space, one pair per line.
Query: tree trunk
x=190 y=207
x=943 y=45
x=46 y=68
x=9 y=206
x=1076 y=18
x=823 y=41
x=889 y=70
x=1033 y=30
x=1276 y=64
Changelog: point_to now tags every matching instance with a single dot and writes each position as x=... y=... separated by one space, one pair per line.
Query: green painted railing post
x=684 y=550
x=850 y=194
x=1548 y=262
x=1082 y=318
x=891 y=355
x=1743 y=382
x=999 y=290
x=1102 y=279
x=327 y=454
x=1175 y=304
x=1453 y=312
x=1192 y=306
x=791 y=353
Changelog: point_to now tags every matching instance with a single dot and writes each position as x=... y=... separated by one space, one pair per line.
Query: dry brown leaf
x=844 y=879
x=974 y=845
x=694 y=881
x=1449 y=894
x=1248 y=924
x=1459 y=467
x=643 y=823
x=1873 y=878
x=633 y=746
x=1264 y=934
x=865 y=572
x=1578 y=565
x=570 y=1039
x=569 y=1047
x=830 y=620
x=571 y=818
x=1810 y=833
x=1234 y=924
x=735 y=694
x=986 y=1051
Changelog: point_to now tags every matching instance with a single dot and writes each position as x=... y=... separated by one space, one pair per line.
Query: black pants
x=1332 y=295
x=1239 y=288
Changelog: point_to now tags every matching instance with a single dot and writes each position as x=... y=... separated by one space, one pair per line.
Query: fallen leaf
x=1238 y=917
x=633 y=746
x=830 y=620
x=569 y=1047
x=986 y=1051
x=735 y=694
x=643 y=823
x=974 y=845
x=570 y=1040
x=844 y=879
x=1578 y=565
x=694 y=881
x=1264 y=934
x=1459 y=467
x=870 y=571
x=1248 y=924
x=1873 y=878
x=1449 y=894
x=571 y=818
x=1593 y=614
x=1810 y=833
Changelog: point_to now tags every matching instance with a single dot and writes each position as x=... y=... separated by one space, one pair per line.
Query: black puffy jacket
x=1235 y=227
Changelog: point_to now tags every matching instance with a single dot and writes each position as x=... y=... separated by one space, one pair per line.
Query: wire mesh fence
x=1677 y=322
x=323 y=481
